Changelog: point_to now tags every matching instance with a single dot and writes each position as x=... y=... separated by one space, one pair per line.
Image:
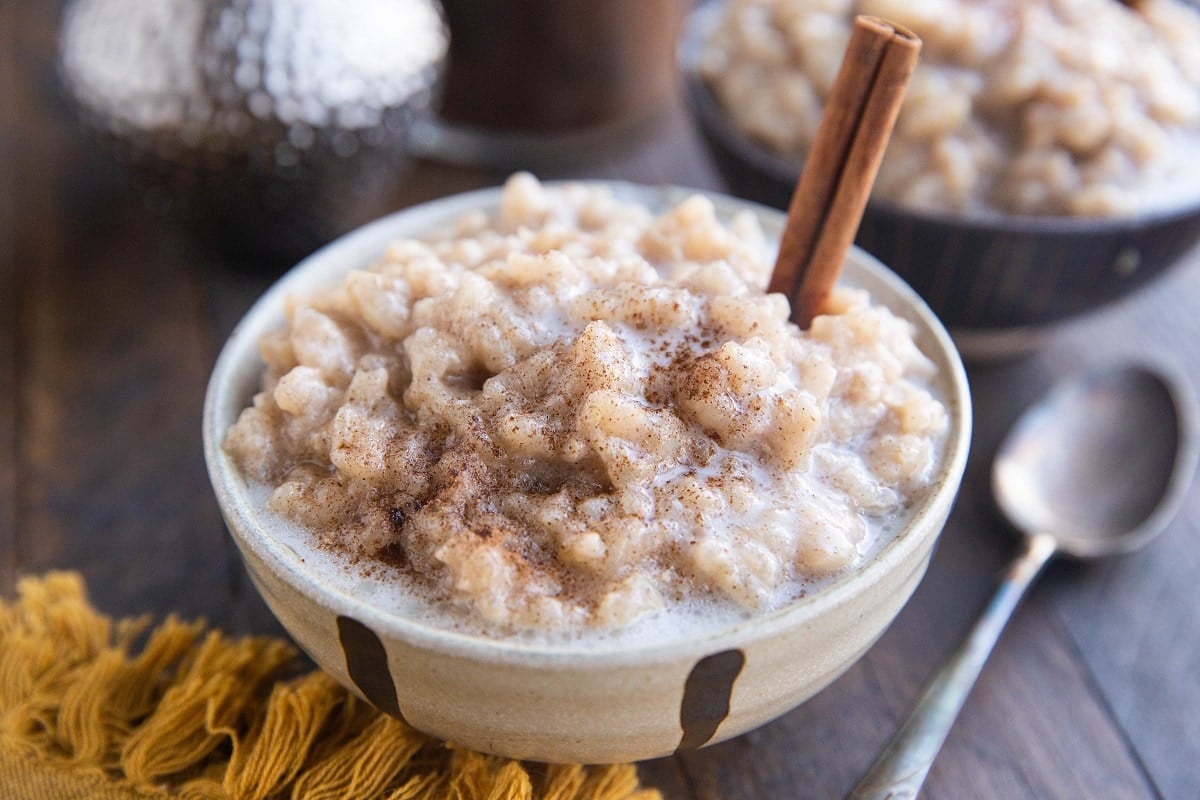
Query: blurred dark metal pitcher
x=530 y=82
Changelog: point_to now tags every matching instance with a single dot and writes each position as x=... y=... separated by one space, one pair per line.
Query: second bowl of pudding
x=1030 y=179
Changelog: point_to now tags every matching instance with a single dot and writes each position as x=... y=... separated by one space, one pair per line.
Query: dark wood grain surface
x=111 y=317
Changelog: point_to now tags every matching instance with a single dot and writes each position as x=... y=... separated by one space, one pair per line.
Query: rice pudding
x=1050 y=107
x=574 y=414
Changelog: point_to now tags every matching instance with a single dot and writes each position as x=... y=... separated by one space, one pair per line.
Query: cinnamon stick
x=840 y=169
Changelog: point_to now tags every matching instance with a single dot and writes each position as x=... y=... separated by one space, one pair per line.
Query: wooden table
x=110 y=319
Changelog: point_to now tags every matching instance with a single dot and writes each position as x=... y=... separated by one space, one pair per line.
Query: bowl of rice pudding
x=1046 y=160
x=543 y=471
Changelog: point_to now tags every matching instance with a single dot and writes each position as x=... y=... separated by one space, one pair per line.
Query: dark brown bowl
x=997 y=282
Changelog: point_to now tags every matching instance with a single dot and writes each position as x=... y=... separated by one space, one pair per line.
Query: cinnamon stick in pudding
x=840 y=169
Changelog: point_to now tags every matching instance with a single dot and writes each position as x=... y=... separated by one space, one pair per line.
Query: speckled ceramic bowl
x=998 y=283
x=595 y=703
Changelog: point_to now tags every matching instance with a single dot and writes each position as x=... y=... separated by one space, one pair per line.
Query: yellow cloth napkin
x=96 y=708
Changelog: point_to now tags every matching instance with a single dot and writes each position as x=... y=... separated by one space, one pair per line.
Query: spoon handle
x=899 y=771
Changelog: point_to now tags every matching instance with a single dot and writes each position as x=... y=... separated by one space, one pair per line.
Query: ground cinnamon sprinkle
x=571 y=415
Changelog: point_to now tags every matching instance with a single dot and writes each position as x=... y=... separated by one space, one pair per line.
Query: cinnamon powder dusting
x=543 y=425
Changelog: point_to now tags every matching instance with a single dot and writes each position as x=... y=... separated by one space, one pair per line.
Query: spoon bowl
x=1098 y=467
x=1101 y=464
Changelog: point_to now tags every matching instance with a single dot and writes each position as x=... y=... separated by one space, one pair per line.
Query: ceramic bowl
x=999 y=283
x=575 y=703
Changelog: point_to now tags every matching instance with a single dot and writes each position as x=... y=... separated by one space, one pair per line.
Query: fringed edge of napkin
x=180 y=710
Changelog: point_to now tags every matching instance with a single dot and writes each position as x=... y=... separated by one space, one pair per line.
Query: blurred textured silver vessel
x=270 y=125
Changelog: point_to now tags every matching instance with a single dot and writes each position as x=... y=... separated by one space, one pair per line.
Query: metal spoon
x=1097 y=468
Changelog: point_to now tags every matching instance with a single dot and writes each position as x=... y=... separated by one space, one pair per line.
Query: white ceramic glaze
x=566 y=703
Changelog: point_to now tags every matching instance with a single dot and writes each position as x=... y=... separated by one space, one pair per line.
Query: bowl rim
x=235 y=375
x=786 y=170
